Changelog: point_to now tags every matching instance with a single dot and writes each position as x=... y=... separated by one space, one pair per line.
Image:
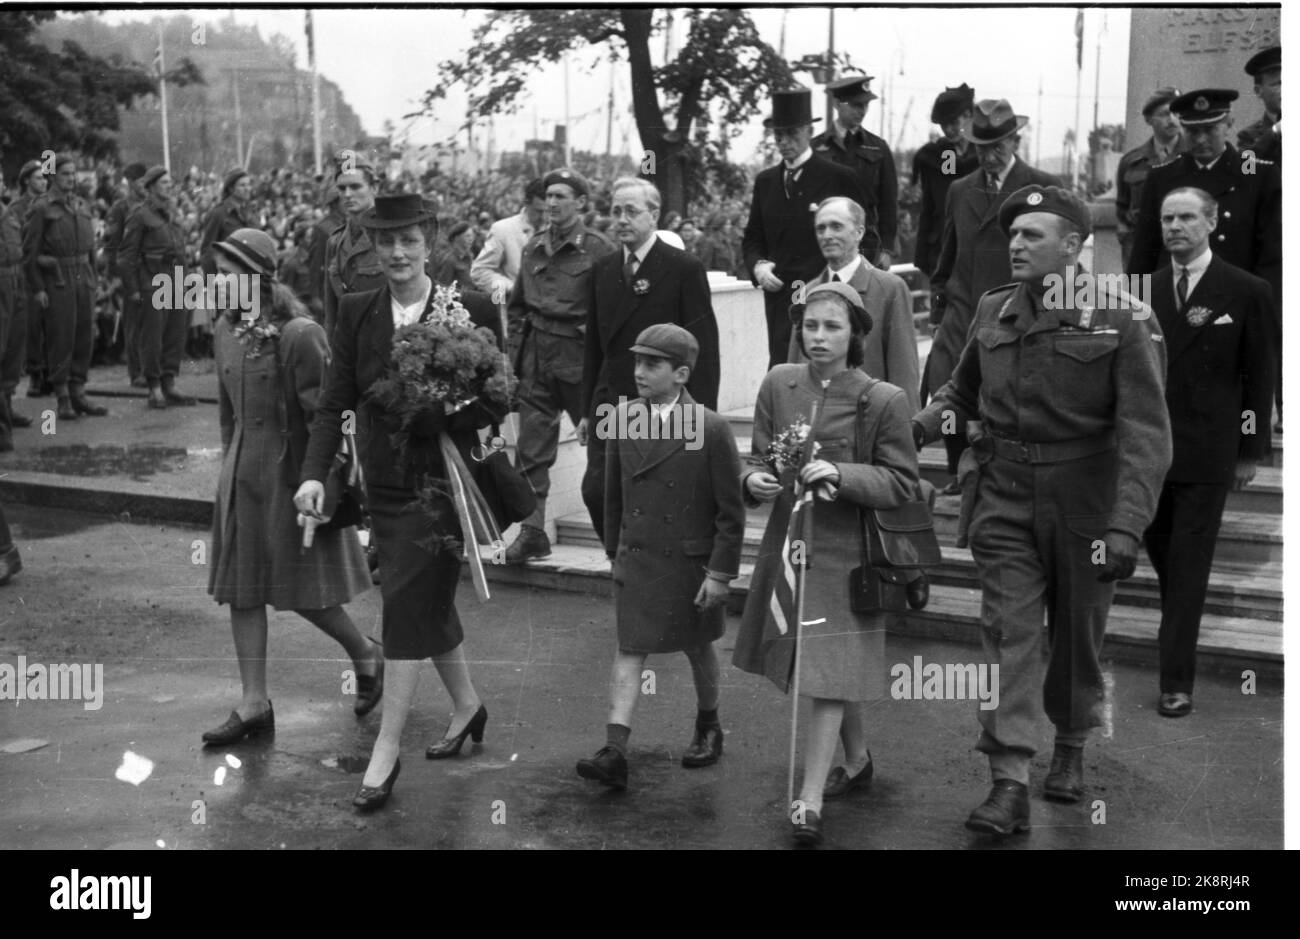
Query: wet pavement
x=132 y=598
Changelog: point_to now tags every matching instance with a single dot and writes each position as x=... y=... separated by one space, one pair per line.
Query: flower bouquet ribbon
x=478 y=527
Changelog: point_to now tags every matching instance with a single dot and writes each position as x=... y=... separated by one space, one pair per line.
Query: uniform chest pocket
x=991 y=337
x=573 y=267
x=1086 y=348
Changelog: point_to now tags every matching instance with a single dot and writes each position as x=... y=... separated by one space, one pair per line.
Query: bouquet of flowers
x=254 y=334
x=785 y=452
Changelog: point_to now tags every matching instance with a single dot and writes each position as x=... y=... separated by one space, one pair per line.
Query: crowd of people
x=1068 y=424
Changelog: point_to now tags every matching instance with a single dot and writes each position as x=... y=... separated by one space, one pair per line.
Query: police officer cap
x=134 y=171
x=1203 y=106
x=950 y=102
x=1051 y=199
x=668 y=341
x=1265 y=61
x=1160 y=96
x=851 y=87
x=571 y=178
x=857 y=311
x=30 y=167
x=155 y=173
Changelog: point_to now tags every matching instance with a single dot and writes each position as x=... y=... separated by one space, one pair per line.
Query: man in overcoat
x=936 y=166
x=647 y=281
x=674 y=528
x=1063 y=477
x=1215 y=318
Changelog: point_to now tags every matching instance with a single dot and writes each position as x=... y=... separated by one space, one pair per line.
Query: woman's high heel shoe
x=450 y=746
x=369 y=798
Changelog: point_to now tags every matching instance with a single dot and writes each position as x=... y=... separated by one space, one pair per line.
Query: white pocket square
x=1223 y=320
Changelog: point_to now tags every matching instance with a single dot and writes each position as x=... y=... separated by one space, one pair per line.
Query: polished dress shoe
x=10 y=564
x=65 y=411
x=236 y=728
x=369 y=798
x=81 y=404
x=608 y=767
x=531 y=544
x=839 y=783
x=1175 y=704
x=918 y=592
x=450 y=746
x=370 y=688
x=807 y=827
x=1004 y=812
x=1064 y=782
x=705 y=748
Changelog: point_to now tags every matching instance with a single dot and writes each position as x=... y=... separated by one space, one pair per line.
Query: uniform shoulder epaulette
x=1173 y=159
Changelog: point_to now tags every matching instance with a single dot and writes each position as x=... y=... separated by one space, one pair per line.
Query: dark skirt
x=418 y=584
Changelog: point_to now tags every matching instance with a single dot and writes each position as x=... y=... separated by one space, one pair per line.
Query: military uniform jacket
x=1130 y=178
x=59 y=233
x=351 y=266
x=1262 y=138
x=927 y=172
x=11 y=240
x=226 y=218
x=781 y=230
x=1217 y=370
x=152 y=244
x=1249 y=233
x=1065 y=375
x=316 y=248
x=115 y=228
x=872 y=162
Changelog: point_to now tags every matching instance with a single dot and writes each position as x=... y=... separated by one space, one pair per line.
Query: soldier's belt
x=570 y=328
x=1057 y=451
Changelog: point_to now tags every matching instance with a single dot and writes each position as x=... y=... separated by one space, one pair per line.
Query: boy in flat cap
x=674 y=526
x=1061 y=480
x=1265 y=135
x=1135 y=166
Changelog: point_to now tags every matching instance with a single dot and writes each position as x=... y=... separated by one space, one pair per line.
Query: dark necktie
x=1181 y=289
x=629 y=269
x=790 y=179
x=835 y=278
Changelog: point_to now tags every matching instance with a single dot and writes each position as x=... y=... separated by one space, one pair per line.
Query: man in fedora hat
x=351 y=264
x=1247 y=188
x=1265 y=135
x=937 y=165
x=850 y=144
x=780 y=243
x=114 y=229
x=1135 y=166
x=973 y=256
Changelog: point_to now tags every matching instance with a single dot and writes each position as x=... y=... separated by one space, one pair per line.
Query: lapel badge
x=1199 y=315
x=1085 y=315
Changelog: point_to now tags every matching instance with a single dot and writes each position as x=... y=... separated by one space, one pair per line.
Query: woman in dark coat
x=417 y=577
x=267 y=394
x=841 y=653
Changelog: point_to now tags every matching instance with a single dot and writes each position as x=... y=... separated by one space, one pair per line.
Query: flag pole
x=805 y=532
x=315 y=92
x=162 y=100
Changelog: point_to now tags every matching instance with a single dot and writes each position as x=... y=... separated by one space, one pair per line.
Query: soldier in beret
x=1166 y=142
x=59 y=255
x=936 y=166
x=227 y=216
x=1265 y=135
x=850 y=144
x=114 y=229
x=351 y=264
x=33 y=185
x=1061 y=480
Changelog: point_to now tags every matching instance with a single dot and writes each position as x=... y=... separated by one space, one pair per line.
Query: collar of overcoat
x=653 y=452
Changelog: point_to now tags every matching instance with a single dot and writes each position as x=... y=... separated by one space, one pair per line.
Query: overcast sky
x=385 y=59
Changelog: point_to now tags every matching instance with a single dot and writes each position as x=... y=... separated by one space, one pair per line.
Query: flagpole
x=315 y=91
x=805 y=531
x=162 y=100
x=1078 y=101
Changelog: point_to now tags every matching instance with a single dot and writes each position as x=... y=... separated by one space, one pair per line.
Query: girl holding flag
x=828 y=441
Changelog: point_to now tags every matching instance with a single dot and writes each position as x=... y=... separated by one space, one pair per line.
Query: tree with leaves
x=723 y=62
x=66 y=99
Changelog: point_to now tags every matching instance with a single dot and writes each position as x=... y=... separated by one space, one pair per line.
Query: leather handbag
x=345 y=498
x=508 y=493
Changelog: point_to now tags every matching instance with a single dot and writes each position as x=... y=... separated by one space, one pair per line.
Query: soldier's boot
x=156 y=397
x=15 y=419
x=172 y=395
x=37 y=387
x=1004 y=812
x=65 y=409
x=81 y=404
x=1064 y=781
x=10 y=564
x=530 y=545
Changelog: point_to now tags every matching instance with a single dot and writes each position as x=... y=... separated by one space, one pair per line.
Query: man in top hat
x=973 y=257
x=548 y=313
x=33 y=184
x=1265 y=135
x=779 y=243
x=1166 y=142
x=1064 y=474
x=59 y=255
x=850 y=144
x=1247 y=189
x=351 y=264
x=154 y=245
x=227 y=216
x=937 y=165
x=114 y=229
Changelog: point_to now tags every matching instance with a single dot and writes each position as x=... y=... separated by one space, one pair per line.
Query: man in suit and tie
x=646 y=282
x=973 y=258
x=779 y=243
x=1215 y=318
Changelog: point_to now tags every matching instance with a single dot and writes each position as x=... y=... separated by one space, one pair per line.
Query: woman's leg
x=853 y=734
x=819 y=750
x=249 y=628
x=454 y=672
x=401 y=676
x=337 y=624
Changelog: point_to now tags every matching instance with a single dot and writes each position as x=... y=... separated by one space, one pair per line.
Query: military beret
x=64 y=158
x=1203 y=106
x=1053 y=199
x=155 y=173
x=950 y=102
x=353 y=161
x=30 y=167
x=850 y=87
x=571 y=178
x=836 y=288
x=1264 y=61
x=231 y=179
x=1159 y=97
x=134 y=171
x=667 y=341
